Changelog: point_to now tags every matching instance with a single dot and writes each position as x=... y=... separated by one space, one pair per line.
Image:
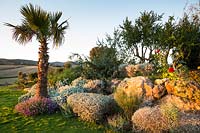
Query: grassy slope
x=13 y=122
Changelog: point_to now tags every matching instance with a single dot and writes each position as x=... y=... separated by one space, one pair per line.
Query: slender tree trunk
x=43 y=64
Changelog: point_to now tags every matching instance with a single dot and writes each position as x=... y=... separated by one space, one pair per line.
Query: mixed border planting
x=126 y=83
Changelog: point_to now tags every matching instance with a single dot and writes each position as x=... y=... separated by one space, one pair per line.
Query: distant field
x=9 y=73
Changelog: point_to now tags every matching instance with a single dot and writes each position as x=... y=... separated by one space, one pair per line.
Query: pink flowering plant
x=35 y=106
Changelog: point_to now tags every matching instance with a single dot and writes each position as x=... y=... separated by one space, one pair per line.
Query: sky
x=89 y=20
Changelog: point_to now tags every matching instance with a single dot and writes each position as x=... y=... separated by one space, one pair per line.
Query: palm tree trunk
x=43 y=64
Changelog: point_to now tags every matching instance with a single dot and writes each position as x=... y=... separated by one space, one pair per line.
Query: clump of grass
x=128 y=104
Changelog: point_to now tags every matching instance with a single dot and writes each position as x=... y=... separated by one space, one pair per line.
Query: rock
x=184 y=105
x=95 y=86
x=91 y=107
x=139 y=86
x=130 y=70
x=112 y=85
x=159 y=91
x=144 y=69
x=161 y=81
x=185 y=89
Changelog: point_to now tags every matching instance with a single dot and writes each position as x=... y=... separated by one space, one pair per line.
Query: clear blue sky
x=88 y=19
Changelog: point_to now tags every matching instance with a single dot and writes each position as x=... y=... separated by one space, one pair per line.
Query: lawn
x=13 y=122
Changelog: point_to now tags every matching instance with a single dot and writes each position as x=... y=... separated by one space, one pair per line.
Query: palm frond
x=54 y=17
x=21 y=33
x=58 y=30
x=36 y=18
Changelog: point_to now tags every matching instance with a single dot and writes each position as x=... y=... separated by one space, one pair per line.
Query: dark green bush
x=101 y=64
x=68 y=74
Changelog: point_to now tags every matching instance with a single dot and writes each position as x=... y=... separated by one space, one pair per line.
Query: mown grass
x=11 y=121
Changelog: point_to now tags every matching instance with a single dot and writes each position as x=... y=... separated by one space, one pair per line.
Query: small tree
x=44 y=26
x=142 y=37
x=187 y=48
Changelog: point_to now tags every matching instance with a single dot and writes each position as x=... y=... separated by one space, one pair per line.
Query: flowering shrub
x=35 y=106
x=25 y=97
x=171 y=70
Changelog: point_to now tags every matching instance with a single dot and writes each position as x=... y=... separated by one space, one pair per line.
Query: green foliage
x=181 y=72
x=66 y=111
x=25 y=80
x=67 y=74
x=102 y=63
x=142 y=37
x=187 y=42
x=67 y=65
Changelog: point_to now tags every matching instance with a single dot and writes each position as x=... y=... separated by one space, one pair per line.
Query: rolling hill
x=9 y=69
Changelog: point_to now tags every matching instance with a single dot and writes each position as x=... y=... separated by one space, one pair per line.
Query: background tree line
x=147 y=40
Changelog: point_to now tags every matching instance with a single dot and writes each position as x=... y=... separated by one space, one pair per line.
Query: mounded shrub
x=79 y=82
x=155 y=119
x=35 y=106
x=95 y=86
x=91 y=107
x=64 y=92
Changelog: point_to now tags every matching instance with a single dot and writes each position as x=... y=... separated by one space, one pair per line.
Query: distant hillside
x=17 y=62
x=26 y=62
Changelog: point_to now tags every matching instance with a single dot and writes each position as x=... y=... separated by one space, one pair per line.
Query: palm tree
x=45 y=27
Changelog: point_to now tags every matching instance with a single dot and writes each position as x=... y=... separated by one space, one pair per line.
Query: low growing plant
x=35 y=106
